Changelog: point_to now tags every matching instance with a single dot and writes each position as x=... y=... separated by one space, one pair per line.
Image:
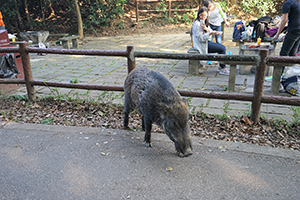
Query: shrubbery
x=59 y=15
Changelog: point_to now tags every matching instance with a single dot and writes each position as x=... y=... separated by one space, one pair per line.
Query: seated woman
x=201 y=35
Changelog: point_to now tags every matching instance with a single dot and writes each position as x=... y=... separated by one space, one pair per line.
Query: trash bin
x=250 y=69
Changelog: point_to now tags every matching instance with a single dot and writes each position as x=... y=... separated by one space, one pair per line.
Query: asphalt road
x=56 y=162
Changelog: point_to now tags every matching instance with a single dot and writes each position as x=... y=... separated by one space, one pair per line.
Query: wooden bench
x=194 y=65
x=66 y=41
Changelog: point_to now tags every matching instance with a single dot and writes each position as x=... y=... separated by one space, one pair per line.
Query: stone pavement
x=113 y=70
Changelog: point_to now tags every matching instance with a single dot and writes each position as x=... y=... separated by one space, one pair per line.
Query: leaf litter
x=106 y=115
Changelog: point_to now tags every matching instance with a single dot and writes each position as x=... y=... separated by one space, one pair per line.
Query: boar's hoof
x=148 y=144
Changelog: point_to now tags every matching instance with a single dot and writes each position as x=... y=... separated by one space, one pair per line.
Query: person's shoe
x=298 y=54
x=271 y=77
x=224 y=72
x=209 y=62
x=268 y=78
x=281 y=89
x=219 y=69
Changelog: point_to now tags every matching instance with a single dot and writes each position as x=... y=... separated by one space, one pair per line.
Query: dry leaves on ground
x=82 y=113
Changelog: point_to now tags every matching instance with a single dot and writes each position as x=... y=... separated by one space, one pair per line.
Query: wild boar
x=157 y=100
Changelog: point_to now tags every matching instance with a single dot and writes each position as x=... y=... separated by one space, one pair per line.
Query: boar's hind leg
x=148 y=126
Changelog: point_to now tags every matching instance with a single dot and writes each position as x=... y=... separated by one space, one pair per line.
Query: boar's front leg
x=148 y=126
x=143 y=124
x=125 y=122
x=127 y=110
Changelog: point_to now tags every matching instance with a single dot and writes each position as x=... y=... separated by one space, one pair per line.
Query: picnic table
x=240 y=43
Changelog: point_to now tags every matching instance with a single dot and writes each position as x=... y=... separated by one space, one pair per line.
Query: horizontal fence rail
x=256 y=98
x=169 y=10
x=186 y=56
x=78 y=85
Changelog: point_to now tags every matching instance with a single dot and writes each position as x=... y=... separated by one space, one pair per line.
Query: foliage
x=102 y=13
x=10 y=12
x=178 y=18
x=43 y=14
x=262 y=7
x=296 y=115
x=57 y=16
x=223 y=5
x=186 y=18
x=161 y=6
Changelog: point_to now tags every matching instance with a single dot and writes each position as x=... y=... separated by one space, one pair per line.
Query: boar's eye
x=175 y=124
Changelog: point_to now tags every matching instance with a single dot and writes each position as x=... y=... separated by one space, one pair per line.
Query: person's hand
x=275 y=37
x=217 y=33
x=227 y=24
x=212 y=32
x=204 y=27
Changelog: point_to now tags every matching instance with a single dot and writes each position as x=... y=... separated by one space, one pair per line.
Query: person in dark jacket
x=290 y=14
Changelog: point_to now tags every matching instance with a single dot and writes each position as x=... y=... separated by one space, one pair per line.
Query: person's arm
x=222 y=15
x=198 y=33
x=209 y=31
x=283 y=22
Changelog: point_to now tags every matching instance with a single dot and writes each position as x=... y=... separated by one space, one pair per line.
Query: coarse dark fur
x=154 y=96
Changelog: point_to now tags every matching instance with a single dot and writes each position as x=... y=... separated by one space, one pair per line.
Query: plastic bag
x=291 y=80
x=8 y=67
x=42 y=45
x=247 y=34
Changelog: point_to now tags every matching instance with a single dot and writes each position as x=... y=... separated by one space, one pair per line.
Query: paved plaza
x=113 y=70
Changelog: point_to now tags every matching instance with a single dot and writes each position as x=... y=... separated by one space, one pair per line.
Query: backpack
x=237 y=33
x=291 y=80
x=260 y=26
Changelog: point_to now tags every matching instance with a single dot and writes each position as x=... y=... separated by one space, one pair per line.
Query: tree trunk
x=79 y=19
x=27 y=13
x=20 y=21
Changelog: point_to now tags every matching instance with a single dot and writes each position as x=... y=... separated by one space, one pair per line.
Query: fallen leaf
x=169 y=168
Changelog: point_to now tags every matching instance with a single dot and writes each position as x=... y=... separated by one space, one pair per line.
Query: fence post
x=27 y=71
x=130 y=59
x=137 y=10
x=259 y=84
x=170 y=9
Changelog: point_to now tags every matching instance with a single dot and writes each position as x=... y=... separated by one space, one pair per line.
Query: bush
x=260 y=7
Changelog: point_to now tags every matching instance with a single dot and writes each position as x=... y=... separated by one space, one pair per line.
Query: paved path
x=56 y=162
x=113 y=70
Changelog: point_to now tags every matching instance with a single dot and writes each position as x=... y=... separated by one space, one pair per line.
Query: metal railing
x=257 y=98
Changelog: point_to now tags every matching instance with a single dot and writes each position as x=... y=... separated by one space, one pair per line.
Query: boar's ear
x=164 y=109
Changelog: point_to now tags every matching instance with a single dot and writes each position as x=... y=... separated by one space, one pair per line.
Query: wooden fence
x=256 y=98
x=169 y=7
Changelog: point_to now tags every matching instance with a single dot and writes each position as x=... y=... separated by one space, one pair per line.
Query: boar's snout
x=188 y=153
x=183 y=152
